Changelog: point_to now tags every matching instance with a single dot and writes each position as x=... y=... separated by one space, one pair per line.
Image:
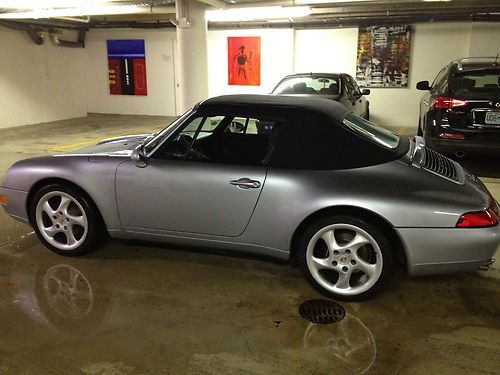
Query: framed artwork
x=243 y=54
x=127 y=67
x=383 y=56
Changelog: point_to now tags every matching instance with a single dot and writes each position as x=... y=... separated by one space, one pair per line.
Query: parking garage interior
x=147 y=308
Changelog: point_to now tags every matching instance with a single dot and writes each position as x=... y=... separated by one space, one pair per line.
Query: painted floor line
x=65 y=147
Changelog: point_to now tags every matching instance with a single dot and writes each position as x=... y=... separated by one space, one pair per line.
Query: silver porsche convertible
x=299 y=179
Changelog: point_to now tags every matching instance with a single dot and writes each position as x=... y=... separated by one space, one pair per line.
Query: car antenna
x=495 y=63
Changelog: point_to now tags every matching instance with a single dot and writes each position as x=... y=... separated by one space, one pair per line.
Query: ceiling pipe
x=80 y=43
x=30 y=30
x=339 y=22
x=132 y=25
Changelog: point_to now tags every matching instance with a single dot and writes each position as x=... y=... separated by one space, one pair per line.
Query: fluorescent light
x=45 y=4
x=333 y=2
x=72 y=12
x=256 y=13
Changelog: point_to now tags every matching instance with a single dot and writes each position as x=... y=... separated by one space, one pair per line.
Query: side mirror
x=423 y=85
x=365 y=92
x=138 y=157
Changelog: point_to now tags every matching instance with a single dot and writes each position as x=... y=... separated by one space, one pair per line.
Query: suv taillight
x=480 y=219
x=444 y=102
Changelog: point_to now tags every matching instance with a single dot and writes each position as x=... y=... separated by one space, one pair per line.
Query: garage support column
x=192 y=53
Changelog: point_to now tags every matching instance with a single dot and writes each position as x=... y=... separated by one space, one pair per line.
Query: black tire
x=95 y=234
x=387 y=264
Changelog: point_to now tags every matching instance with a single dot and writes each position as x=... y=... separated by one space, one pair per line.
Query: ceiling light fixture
x=46 y=4
x=72 y=12
x=256 y=13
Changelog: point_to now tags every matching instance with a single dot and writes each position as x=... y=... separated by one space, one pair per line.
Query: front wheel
x=345 y=258
x=65 y=220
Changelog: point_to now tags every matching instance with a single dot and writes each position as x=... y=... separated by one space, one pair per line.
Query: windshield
x=308 y=85
x=151 y=144
x=371 y=131
x=480 y=83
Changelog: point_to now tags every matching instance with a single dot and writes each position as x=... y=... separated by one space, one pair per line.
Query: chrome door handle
x=245 y=183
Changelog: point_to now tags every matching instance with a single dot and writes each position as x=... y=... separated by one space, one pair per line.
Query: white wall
x=485 y=39
x=160 y=72
x=433 y=45
x=39 y=83
x=326 y=50
x=276 y=60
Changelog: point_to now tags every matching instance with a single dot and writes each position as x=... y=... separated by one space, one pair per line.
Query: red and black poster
x=127 y=67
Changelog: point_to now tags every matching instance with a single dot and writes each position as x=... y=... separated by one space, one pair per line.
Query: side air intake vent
x=436 y=163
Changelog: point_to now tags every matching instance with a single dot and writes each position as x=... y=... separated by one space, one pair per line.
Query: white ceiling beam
x=214 y=3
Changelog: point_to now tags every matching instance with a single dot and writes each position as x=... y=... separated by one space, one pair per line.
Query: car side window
x=222 y=139
x=438 y=81
x=237 y=140
x=355 y=87
x=349 y=88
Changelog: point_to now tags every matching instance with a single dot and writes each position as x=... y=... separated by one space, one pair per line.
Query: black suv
x=460 y=112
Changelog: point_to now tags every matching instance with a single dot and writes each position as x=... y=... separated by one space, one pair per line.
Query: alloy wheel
x=61 y=220
x=344 y=259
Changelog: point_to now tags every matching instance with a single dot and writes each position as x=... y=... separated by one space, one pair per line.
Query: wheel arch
x=56 y=180
x=381 y=223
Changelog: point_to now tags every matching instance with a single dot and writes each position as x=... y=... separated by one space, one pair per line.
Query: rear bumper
x=445 y=250
x=16 y=206
x=451 y=146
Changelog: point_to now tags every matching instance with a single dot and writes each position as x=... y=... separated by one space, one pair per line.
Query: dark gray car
x=340 y=87
x=291 y=178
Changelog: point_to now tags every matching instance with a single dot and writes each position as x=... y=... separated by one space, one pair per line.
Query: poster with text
x=127 y=67
x=243 y=60
x=383 y=56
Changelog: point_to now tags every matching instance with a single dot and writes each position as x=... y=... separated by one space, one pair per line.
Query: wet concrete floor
x=132 y=308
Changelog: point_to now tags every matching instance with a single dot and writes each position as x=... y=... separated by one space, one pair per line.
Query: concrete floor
x=143 y=309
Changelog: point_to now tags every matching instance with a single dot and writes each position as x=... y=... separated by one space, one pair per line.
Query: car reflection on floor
x=68 y=300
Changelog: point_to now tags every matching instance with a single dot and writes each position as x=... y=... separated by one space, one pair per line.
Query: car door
x=358 y=100
x=351 y=98
x=426 y=100
x=361 y=102
x=206 y=178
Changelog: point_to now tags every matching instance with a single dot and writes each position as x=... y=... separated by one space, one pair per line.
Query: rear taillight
x=444 y=102
x=480 y=219
x=451 y=136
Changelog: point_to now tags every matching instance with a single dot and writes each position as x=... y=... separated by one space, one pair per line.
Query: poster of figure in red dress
x=243 y=55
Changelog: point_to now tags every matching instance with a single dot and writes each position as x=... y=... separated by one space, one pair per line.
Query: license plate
x=492 y=118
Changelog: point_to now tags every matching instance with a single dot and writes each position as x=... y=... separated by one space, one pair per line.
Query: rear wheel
x=66 y=220
x=345 y=258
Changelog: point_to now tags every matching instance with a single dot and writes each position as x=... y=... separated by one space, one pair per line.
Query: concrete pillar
x=192 y=53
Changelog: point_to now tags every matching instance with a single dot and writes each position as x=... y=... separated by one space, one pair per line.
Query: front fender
x=96 y=178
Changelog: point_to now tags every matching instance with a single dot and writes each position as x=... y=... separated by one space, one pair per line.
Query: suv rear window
x=482 y=83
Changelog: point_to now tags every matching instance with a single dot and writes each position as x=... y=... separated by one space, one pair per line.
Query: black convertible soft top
x=274 y=104
x=314 y=136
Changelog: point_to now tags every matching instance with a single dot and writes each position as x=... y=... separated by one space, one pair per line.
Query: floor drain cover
x=321 y=311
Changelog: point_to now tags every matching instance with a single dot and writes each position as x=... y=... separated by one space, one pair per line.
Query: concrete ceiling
x=324 y=13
